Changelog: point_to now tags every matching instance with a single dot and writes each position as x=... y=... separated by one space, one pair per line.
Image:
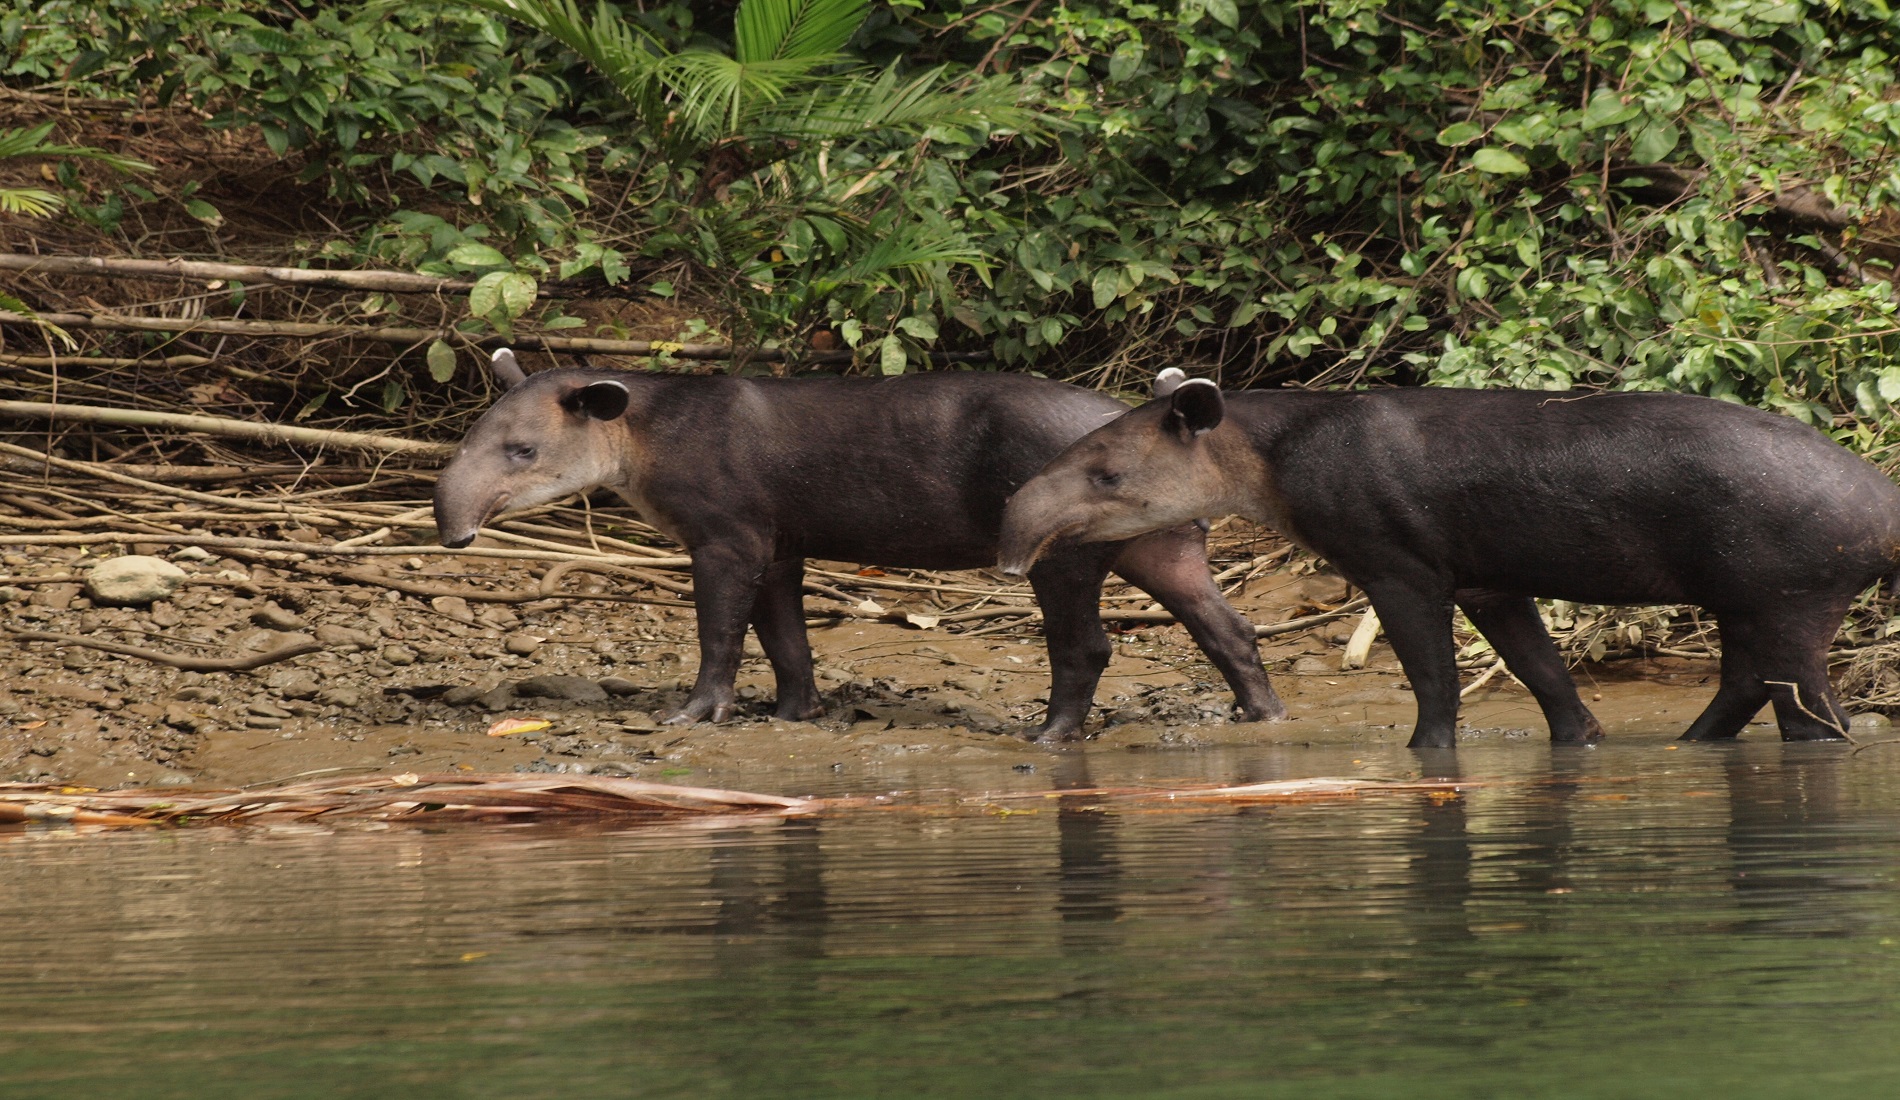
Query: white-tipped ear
x=1169 y=380
x=507 y=371
x=1198 y=406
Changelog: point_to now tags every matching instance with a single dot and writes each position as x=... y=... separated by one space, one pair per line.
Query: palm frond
x=777 y=30
x=619 y=51
x=864 y=105
x=31 y=142
x=30 y=201
x=719 y=95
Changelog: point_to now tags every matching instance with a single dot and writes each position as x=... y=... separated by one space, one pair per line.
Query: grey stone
x=193 y=553
x=273 y=617
x=293 y=684
x=133 y=579
x=1871 y=722
x=343 y=638
x=462 y=695
x=1313 y=664
x=264 y=708
x=618 y=685
x=398 y=655
x=340 y=695
x=259 y=722
x=499 y=697
x=453 y=607
x=573 y=689
x=521 y=645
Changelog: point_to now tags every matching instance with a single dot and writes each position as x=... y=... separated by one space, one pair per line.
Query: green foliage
x=1629 y=193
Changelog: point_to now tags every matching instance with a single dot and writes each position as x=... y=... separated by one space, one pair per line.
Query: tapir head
x=1159 y=466
x=556 y=433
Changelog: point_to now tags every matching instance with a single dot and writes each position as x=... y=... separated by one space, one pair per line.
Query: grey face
x=1146 y=471
x=553 y=435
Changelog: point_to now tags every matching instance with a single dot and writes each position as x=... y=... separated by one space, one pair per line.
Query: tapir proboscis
x=754 y=475
x=1433 y=498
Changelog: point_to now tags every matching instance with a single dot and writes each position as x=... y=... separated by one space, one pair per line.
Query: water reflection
x=1729 y=891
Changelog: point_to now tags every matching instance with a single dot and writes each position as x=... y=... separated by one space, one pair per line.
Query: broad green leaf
x=517 y=293
x=1655 y=141
x=1889 y=384
x=485 y=295
x=1606 y=108
x=1499 y=162
x=478 y=255
x=891 y=357
x=920 y=326
x=1106 y=286
x=441 y=361
x=662 y=289
x=1125 y=61
x=1224 y=10
x=204 y=212
x=1460 y=133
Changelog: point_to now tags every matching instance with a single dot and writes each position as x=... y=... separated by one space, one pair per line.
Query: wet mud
x=412 y=684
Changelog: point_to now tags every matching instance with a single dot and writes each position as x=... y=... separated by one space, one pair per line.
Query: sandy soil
x=409 y=684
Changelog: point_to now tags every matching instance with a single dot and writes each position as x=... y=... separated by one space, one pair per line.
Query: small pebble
x=521 y=645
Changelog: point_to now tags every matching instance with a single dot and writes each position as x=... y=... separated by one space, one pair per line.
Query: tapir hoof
x=796 y=713
x=1274 y=711
x=1433 y=739
x=1056 y=735
x=694 y=713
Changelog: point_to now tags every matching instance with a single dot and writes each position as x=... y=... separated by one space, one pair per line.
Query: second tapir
x=755 y=475
x=1485 y=499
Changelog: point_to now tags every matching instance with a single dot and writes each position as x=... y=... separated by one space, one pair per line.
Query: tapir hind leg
x=778 y=614
x=1068 y=587
x=1512 y=626
x=1778 y=656
x=1171 y=566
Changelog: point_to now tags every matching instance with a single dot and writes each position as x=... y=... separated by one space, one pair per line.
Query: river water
x=1630 y=920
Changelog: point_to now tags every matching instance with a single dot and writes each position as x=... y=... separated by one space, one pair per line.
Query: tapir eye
x=1105 y=479
x=519 y=452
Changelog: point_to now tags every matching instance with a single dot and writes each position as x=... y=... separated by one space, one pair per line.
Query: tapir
x=754 y=475
x=1428 y=498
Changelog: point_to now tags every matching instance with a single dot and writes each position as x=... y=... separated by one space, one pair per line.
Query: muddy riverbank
x=409 y=683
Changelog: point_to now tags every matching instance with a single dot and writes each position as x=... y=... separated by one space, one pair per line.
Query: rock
x=264 y=708
x=260 y=722
x=344 y=639
x=8 y=593
x=453 y=607
x=500 y=697
x=521 y=645
x=193 y=553
x=462 y=695
x=292 y=684
x=1872 y=721
x=573 y=689
x=398 y=655
x=180 y=717
x=273 y=617
x=1313 y=664
x=618 y=685
x=340 y=695
x=133 y=579
x=54 y=597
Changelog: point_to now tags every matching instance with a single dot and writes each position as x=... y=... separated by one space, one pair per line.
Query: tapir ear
x=1169 y=380
x=507 y=371
x=598 y=400
x=1198 y=407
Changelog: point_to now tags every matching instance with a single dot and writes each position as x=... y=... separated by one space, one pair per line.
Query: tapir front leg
x=725 y=587
x=1171 y=566
x=1417 y=621
x=1069 y=590
x=778 y=614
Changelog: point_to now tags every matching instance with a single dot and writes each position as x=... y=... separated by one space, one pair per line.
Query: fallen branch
x=215 y=425
x=414 y=337
x=188 y=664
x=169 y=362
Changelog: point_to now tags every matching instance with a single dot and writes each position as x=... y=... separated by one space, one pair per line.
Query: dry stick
x=388 y=334
x=1484 y=679
x=102 y=361
x=188 y=664
x=234 y=542
x=214 y=425
x=551 y=580
x=395 y=282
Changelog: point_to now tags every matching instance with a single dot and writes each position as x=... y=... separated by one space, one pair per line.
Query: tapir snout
x=1149 y=470
x=548 y=436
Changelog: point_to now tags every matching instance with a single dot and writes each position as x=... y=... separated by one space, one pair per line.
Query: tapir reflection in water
x=1426 y=498
x=755 y=475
